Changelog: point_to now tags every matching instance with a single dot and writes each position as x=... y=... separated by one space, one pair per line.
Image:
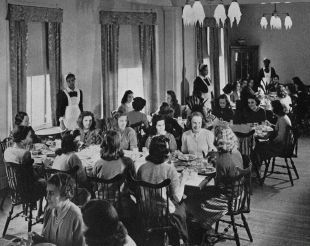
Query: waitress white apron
x=72 y=111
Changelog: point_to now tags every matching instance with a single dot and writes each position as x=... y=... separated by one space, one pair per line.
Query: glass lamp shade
x=234 y=12
x=288 y=22
x=275 y=22
x=220 y=14
x=263 y=22
x=188 y=15
x=199 y=13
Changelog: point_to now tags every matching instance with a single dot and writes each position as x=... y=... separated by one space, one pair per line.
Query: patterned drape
x=214 y=59
x=18 y=63
x=54 y=63
x=148 y=58
x=109 y=61
x=201 y=43
x=18 y=16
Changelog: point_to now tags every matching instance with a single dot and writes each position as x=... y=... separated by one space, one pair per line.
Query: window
x=38 y=98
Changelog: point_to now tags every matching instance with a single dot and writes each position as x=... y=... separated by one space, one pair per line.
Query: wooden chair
x=154 y=214
x=110 y=190
x=238 y=204
x=290 y=151
x=5 y=143
x=23 y=192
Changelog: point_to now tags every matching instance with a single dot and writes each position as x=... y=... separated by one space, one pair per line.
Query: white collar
x=69 y=90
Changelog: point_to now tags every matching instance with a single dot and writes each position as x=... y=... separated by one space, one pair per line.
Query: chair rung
x=283 y=166
x=277 y=172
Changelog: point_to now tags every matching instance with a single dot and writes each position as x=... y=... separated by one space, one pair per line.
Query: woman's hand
x=36 y=238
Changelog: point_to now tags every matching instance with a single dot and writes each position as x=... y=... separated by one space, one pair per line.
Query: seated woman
x=157 y=129
x=171 y=125
x=210 y=205
x=22 y=119
x=274 y=83
x=67 y=159
x=173 y=103
x=120 y=123
x=155 y=170
x=197 y=141
x=276 y=143
x=104 y=232
x=126 y=102
x=113 y=161
x=300 y=85
x=284 y=98
x=235 y=96
x=136 y=117
x=292 y=92
x=251 y=83
x=223 y=109
x=63 y=222
x=253 y=113
x=88 y=133
x=228 y=90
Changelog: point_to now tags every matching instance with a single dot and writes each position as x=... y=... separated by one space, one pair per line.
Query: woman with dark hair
x=88 y=133
x=157 y=129
x=197 y=141
x=22 y=119
x=292 y=92
x=251 y=83
x=63 y=222
x=120 y=123
x=274 y=83
x=203 y=83
x=126 y=103
x=135 y=116
x=155 y=170
x=173 y=103
x=171 y=125
x=235 y=96
x=67 y=159
x=276 y=142
x=253 y=113
x=113 y=161
x=284 y=98
x=300 y=85
x=223 y=109
x=109 y=231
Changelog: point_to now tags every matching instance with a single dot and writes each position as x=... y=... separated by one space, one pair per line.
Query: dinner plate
x=186 y=157
x=206 y=170
x=45 y=244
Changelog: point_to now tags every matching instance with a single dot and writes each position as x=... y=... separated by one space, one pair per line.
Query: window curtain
x=54 y=64
x=110 y=22
x=18 y=16
x=201 y=43
x=148 y=58
x=214 y=59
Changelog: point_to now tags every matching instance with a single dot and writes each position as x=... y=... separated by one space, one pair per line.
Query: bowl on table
x=186 y=157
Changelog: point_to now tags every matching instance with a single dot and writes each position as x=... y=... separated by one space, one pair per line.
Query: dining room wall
x=288 y=50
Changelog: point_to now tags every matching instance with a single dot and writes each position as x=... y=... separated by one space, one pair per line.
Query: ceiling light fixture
x=275 y=21
x=193 y=14
x=234 y=13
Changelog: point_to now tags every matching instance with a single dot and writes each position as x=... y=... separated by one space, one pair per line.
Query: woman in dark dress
x=223 y=109
x=173 y=103
x=254 y=113
x=203 y=84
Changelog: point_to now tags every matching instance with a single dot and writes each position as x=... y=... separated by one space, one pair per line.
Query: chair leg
x=217 y=226
x=266 y=171
x=8 y=221
x=235 y=230
x=4 y=197
x=294 y=167
x=30 y=218
x=273 y=164
x=246 y=226
x=289 y=172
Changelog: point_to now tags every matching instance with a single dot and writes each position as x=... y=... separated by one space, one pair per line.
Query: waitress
x=265 y=75
x=69 y=104
x=203 y=84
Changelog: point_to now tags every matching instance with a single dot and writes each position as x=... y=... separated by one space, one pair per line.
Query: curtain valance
x=211 y=22
x=127 y=18
x=31 y=13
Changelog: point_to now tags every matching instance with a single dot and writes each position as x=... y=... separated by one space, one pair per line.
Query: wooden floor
x=280 y=213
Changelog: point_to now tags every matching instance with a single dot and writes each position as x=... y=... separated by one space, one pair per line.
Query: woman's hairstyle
x=111 y=146
x=64 y=183
x=174 y=100
x=165 y=110
x=20 y=133
x=217 y=101
x=292 y=88
x=276 y=76
x=197 y=94
x=192 y=115
x=116 y=116
x=235 y=84
x=250 y=96
x=301 y=86
x=228 y=88
x=67 y=143
x=102 y=224
x=281 y=91
x=202 y=67
x=82 y=116
x=155 y=119
x=158 y=150
x=124 y=99
x=224 y=134
x=19 y=117
x=277 y=108
x=138 y=103
x=70 y=75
